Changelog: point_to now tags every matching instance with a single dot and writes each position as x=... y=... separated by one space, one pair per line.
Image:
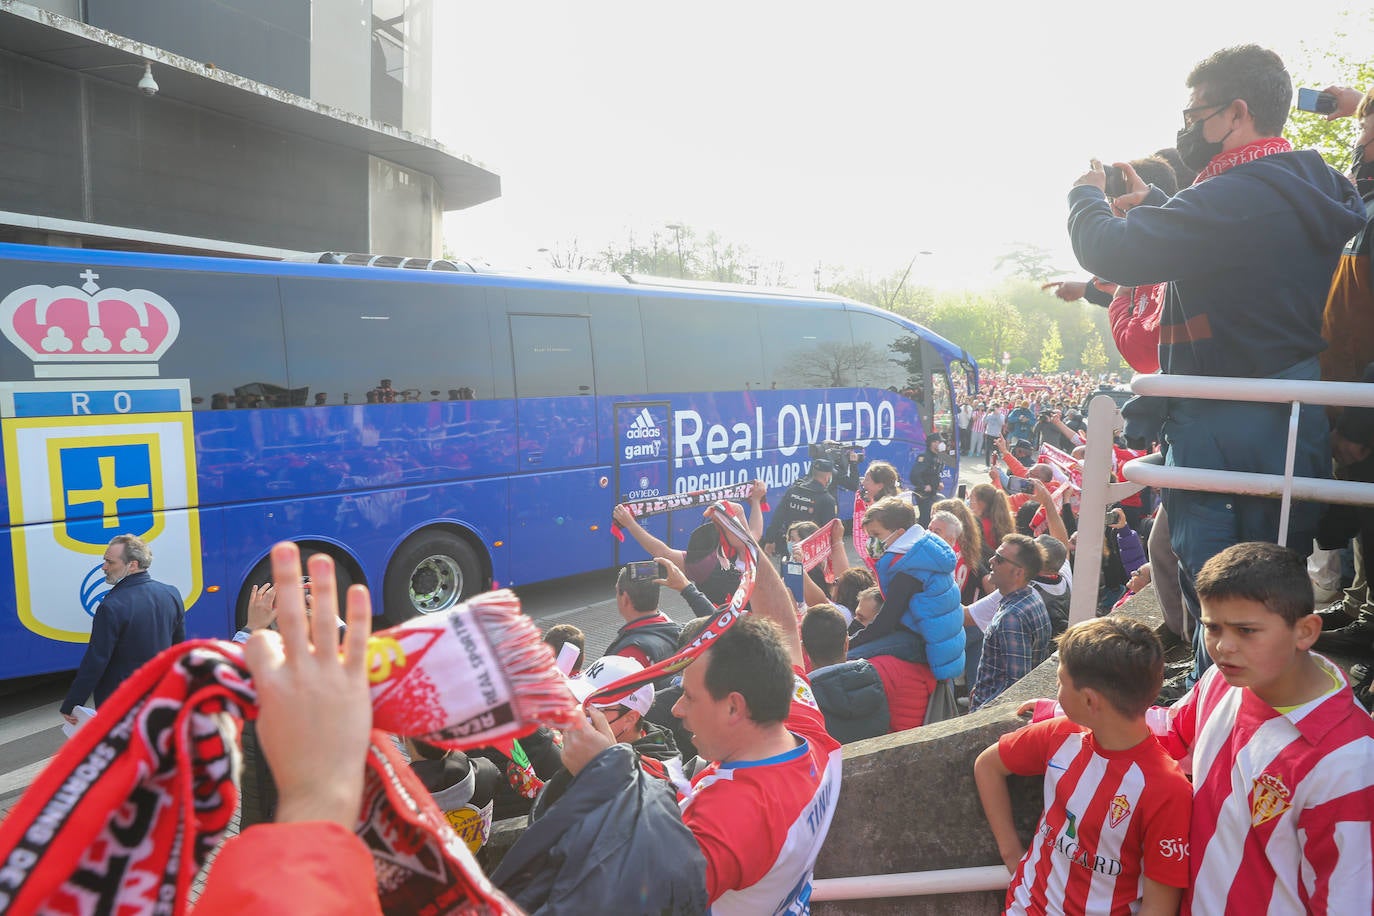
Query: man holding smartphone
x=1248 y=252
x=648 y=635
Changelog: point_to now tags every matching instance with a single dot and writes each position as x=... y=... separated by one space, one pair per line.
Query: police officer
x=846 y=460
x=925 y=475
x=807 y=500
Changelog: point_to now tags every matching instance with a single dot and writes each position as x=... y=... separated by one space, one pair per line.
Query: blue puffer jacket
x=934 y=612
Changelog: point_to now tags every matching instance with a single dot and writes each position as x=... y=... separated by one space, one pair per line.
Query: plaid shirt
x=1017 y=640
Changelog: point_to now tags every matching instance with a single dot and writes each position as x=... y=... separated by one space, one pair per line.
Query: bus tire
x=432 y=572
x=344 y=576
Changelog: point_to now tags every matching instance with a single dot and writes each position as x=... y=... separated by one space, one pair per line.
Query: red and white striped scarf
x=818 y=548
x=860 y=536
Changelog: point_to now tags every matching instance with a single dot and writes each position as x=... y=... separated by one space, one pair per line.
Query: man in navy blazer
x=136 y=620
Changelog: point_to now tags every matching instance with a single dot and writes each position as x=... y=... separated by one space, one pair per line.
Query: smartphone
x=1019 y=485
x=962 y=492
x=644 y=570
x=1116 y=181
x=1319 y=102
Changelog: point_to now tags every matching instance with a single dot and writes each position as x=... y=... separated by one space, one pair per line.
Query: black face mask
x=1193 y=149
x=1360 y=169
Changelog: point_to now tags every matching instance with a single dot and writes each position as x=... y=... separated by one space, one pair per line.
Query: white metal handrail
x=1150 y=471
x=913 y=883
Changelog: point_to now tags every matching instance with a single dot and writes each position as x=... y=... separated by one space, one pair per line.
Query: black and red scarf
x=658 y=505
x=126 y=814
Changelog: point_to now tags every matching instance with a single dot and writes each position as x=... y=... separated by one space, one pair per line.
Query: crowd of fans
x=1215 y=265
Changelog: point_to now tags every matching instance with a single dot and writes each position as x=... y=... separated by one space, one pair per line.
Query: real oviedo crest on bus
x=95 y=446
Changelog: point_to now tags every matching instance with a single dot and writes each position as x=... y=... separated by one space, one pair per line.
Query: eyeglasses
x=998 y=559
x=1190 y=113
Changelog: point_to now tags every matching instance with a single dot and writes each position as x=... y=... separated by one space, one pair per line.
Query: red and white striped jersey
x=1111 y=819
x=761 y=823
x=1283 y=806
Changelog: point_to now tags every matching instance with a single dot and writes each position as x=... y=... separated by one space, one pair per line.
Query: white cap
x=606 y=671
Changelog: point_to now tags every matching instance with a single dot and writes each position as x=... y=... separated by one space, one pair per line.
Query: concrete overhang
x=72 y=45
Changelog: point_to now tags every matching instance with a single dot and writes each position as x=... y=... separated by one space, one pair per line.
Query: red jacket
x=303 y=869
x=1134 y=315
x=908 y=687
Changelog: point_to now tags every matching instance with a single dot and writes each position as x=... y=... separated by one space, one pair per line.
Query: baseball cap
x=702 y=542
x=823 y=464
x=606 y=671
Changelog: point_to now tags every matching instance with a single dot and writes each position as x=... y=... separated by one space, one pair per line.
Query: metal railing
x=1103 y=420
x=913 y=883
x=1150 y=471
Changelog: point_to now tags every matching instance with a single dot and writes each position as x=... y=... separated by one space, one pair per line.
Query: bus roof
x=479 y=276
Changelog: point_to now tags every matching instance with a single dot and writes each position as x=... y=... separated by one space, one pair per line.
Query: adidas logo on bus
x=643 y=427
x=64 y=324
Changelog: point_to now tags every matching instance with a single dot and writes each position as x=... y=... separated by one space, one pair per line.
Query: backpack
x=1348 y=321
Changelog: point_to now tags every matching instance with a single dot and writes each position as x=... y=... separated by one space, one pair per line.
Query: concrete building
x=251 y=127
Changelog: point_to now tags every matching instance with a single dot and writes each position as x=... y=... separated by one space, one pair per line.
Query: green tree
x=1052 y=351
x=1030 y=262
x=1094 y=357
x=1326 y=66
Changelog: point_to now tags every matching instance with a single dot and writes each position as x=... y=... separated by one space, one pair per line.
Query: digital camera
x=835 y=453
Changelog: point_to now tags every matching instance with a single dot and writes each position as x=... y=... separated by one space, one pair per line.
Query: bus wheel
x=431 y=573
x=344 y=576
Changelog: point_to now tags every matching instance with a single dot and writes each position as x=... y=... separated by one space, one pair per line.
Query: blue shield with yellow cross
x=106 y=489
x=74 y=483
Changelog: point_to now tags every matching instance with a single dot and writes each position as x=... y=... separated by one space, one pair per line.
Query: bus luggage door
x=558 y=505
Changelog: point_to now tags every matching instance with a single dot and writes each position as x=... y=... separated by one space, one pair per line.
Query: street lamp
x=893 y=298
x=677 y=233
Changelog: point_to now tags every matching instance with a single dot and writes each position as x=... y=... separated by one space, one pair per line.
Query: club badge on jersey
x=96 y=445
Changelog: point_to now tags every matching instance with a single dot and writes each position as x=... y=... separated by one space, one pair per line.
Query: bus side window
x=229 y=345
x=618 y=343
x=887 y=355
x=701 y=345
x=809 y=347
x=386 y=342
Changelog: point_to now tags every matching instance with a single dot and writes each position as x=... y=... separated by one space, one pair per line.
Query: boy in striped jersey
x=1113 y=838
x=1282 y=755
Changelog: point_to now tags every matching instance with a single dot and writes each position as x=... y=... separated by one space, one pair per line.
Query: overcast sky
x=846 y=134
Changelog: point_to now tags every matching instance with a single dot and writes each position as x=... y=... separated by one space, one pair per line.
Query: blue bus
x=437 y=431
